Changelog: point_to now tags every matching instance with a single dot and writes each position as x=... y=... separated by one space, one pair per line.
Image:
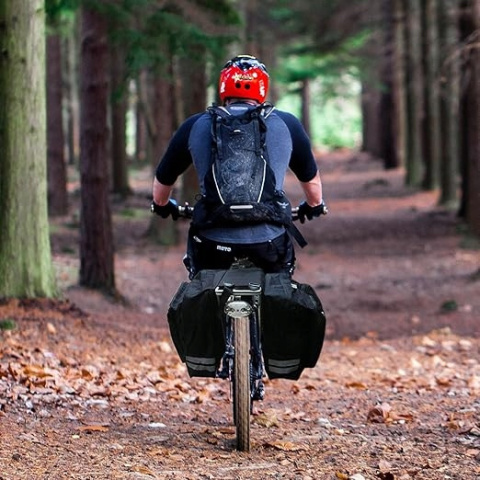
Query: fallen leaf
x=443 y=381
x=266 y=419
x=383 y=413
x=142 y=469
x=295 y=389
x=37 y=371
x=165 y=347
x=357 y=385
x=286 y=446
x=474 y=382
x=400 y=417
x=93 y=428
x=51 y=328
x=473 y=452
x=379 y=413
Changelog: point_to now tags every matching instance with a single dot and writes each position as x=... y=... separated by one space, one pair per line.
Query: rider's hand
x=171 y=208
x=305 y=211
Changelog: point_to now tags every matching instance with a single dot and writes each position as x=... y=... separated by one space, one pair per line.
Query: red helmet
x=244 y=77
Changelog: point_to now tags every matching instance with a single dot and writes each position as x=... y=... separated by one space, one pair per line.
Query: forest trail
x=90 y=389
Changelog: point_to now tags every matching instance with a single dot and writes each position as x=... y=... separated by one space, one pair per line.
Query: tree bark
x=386 y=111
x=450 y=104
x=399 y=83
x=193 y=92
x=473 y=130
x=432 y=86
x=163 y=231
x=57 y=172
x=26 y=268
x=305 y=101
x=141 y=130
x=372 y=86
x=370 y=102
x=415 y=96
x=72 y=108
x=119 y=96
x=96 y=238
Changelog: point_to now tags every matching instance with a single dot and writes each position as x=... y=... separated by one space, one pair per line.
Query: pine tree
x=26 y=268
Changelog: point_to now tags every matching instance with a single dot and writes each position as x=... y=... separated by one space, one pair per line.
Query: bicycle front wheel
x=241 y=382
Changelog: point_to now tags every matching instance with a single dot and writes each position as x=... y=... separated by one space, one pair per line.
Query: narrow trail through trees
x=92 y=389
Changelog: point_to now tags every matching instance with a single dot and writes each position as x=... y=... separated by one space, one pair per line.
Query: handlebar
x=186 y=211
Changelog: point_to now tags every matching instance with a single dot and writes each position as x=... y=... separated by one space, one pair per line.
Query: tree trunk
x=163 y=231
x=473 y=130
x=399 y=83
x=415 y=102
x=371 y=95
x=96 y=238
x=432 y=85
x=386 y=110
x=57 y=174
x=194 y=95
x=119 y=123
x=450 y=104
x=305 y=100
x=141 y=130
x=70 y=67
x=370 y=101
x=26 y=268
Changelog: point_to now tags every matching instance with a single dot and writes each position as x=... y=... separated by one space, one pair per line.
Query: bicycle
x=239 y=294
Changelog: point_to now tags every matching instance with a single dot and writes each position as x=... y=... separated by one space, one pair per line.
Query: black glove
x=171 y=208
x=308 y=212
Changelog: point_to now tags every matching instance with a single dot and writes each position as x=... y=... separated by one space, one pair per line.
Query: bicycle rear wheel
x=241 y=382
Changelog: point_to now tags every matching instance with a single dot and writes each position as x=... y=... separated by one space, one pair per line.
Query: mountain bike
x=239 y=294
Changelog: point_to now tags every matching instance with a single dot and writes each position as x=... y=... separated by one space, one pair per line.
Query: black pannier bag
x=293 y=326
x=196 y=324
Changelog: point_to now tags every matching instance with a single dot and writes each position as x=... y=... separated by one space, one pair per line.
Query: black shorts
x=276 y=255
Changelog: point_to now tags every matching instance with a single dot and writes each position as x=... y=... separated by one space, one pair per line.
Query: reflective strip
x=201 y=363
x=283 y=366
x=241 y=207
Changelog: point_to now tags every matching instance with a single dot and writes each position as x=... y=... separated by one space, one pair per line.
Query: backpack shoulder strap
x=266 y=109
x=219 y=111
x=218 y=114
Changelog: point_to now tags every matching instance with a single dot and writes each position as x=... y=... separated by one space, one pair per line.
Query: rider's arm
x=177 y=157
x=313 y=190
x=161 y=192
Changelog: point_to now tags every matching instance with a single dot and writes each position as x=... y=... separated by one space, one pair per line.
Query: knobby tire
x=241 y=384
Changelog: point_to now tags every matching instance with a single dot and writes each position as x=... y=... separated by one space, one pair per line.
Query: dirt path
x=93 y=390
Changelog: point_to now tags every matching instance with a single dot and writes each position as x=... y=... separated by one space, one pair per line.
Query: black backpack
x=240 y=185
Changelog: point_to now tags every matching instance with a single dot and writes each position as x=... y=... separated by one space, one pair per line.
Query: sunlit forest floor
x=93 y=389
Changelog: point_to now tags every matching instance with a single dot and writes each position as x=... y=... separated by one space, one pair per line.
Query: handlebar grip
x=185 y=211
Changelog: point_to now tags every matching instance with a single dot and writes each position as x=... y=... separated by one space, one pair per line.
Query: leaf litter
x=399 y=418
x=90 y=389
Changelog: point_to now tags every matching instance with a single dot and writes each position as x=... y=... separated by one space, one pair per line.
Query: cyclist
x=243 y=84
